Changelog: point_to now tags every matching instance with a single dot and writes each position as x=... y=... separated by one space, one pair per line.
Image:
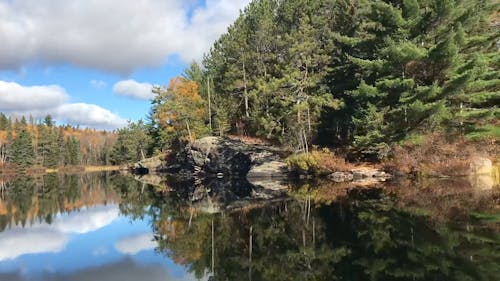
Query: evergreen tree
x=72 y=153
x=22 y=149
x=132 y=144
x=329 y=67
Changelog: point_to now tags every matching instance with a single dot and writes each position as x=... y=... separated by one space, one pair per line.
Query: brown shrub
x=318 y=162
x=436 y=156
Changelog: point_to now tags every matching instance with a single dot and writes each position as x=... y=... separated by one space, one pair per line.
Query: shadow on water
x=442 y=230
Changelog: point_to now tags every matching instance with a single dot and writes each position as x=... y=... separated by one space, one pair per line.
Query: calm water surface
x=108 y=227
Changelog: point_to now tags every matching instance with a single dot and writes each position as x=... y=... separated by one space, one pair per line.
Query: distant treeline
x=29 y=143
x=358 y=74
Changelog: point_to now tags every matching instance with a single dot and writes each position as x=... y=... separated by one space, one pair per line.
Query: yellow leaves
x=181 y=103
x=181 y=88
x=3 y=136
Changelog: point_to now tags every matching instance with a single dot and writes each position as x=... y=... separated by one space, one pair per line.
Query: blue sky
x=92 y=63
x=93 y=243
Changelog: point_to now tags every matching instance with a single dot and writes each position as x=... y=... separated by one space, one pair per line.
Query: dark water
x=108 y=227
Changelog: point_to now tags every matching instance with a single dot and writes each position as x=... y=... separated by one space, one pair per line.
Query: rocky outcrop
x=271 y=175
x=212 y=157
x=149 y=164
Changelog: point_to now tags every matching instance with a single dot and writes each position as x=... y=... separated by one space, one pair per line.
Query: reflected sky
x=93 y=243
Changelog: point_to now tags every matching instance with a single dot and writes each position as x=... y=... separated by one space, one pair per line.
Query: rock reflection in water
x=362 y=235
x=214 y=195
x=330 y=232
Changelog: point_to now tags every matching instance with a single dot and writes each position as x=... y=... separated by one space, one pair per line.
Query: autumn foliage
x=179 y=111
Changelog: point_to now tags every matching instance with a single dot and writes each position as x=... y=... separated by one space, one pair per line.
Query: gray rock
x=341 y=177
x=149 y=164
x=360 y=175
x=276 y=169
x=365 y=172
x=198 y=157
x=212 y=157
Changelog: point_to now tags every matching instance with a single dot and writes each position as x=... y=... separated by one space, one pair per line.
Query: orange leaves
x=183 y=88
x=3 y=136
x=180 y=111
x=182 y=102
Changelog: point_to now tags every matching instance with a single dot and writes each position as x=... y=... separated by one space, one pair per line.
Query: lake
x=110 y=227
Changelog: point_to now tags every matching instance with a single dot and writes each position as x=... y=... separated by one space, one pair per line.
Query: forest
x=28 y=143
x=359 y=75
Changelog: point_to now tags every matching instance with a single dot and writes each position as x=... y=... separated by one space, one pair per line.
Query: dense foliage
x=30 y=143
x=362 y=73
x=133 y=143
x=178 y=112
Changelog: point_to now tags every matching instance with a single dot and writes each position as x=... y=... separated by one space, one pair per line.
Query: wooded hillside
x=361 y=74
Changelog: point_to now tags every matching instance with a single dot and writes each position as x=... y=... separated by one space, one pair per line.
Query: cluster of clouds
x=38 y=101
x=112 y=35
x=34 y=239
x=115 y=36
x=53 y=238
x=136 y=243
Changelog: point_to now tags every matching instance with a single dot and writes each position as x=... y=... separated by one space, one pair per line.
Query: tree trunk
x=308 y=119
x=213 y=249
x=209 y=105
x=189 y=131
x=247 y=114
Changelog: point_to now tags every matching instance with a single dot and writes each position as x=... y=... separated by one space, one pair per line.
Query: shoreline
x=68 y=170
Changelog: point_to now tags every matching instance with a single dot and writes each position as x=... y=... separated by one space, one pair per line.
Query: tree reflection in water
x=364 y=234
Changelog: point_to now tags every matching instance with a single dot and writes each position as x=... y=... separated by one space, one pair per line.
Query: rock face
x=215 y=174
x=215 y=157
x=148 y=164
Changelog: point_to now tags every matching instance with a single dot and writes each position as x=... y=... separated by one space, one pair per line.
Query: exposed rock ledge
x=215 y=174
x=215 y=157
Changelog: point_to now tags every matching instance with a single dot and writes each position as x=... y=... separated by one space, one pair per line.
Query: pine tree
x=72 y=153
x=132 y=143
x=22 y=149
x=421 y=66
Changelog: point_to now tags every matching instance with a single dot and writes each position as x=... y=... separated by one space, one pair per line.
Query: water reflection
x=109 y=227
x=71 y=228
x=363 y=236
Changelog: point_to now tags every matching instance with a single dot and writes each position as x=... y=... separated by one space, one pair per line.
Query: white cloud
x=38 y=101
x=98 y=84
x=207 y=24
x=87 y=220
x=134 y=244
x=123 y=270
x=112 y=35
x=133 y=89
x=19 y=241
x=53 y=238
x=89 y=115
x=14 y=97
